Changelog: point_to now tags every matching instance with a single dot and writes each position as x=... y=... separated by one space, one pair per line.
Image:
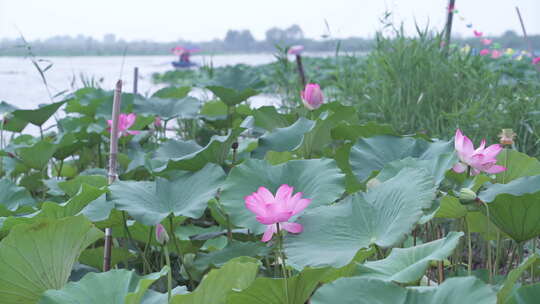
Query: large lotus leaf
x=74 y=205
x=94 y=256
x=187 y=194
x=172 y=92
x=346 y=131
x=237 y=274
x=437 y=166
x=13 y=196
x=233 y=250
x=87 y=100
x=515 y=207
x=14 y=124
x=358 y=290
x=451 y=207
x=372 y=154
x=154 y=297
x=187 y=107
x=112 y=287
x=320 y=136
x=408 y=265
x=383 y=216
x=37 y=156
x=216 y=151
x=72 y=186
x=40 y=115
x=268 y=118
x=230 y=96
x=525 y=295
x=284 y=139
x=272 y=291
x=104 y=109
x=40 y=256
x=318 y=179
x=518 y=165
x=513 y=276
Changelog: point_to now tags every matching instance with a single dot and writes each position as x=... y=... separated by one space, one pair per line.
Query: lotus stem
x=169 y=273
x=469 y=245
x=283 y=263
x=180 y=256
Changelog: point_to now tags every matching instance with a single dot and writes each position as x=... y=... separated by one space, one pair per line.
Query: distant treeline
x=235 y=41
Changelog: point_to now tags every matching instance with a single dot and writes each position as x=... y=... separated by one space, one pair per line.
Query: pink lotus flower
x=157 y=122
x=125 y=121
x=312 y=96
x=486 y=41
x=496 y=54
x=161 y=234
x=270 y=210
x=485 y=52
x=478 y=34
x=296 y=50
x=536 y=60
x=480 y=160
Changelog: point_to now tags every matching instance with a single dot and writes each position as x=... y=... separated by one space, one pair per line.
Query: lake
x=21 y=84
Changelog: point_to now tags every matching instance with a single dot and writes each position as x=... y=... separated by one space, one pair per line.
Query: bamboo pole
x=135 y=80
x=112 y=174
x=301 y=70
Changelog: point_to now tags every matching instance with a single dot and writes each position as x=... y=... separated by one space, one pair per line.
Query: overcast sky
x=201 y=20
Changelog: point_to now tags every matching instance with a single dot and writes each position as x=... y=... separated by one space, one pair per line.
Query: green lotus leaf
x=37 y=156
x=318 y=179
x=112 y=287
x=216 y=151
x=517 y=164
x=515 y=207
x=372 y=154
x=233 y=250
x=525 y=294
x=437 y=166
x=12 y=196
x=237 y=274
x=383 y=216
x=39 y=256
x=511 y=279
x=40 y=115
x=284 y=139
x=187 y=107
x=230 y=96
x=272 y=291
x=358 y=290
x=186 y=194
x=408 y=265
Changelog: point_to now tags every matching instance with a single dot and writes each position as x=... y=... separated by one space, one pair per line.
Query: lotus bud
x=467 y=195
x=295 y=50
x=161 y=234
x=312 y=96
x=157 y=122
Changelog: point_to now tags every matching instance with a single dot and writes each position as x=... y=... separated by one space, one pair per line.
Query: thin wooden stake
x=449 y=21
x=135 y=80
x=113 y=154
x=525 y=36
x=301 y=70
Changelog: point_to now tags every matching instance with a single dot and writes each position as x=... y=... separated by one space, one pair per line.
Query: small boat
x=184 y=57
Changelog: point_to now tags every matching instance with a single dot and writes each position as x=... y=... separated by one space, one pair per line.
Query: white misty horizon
x=206 y=20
